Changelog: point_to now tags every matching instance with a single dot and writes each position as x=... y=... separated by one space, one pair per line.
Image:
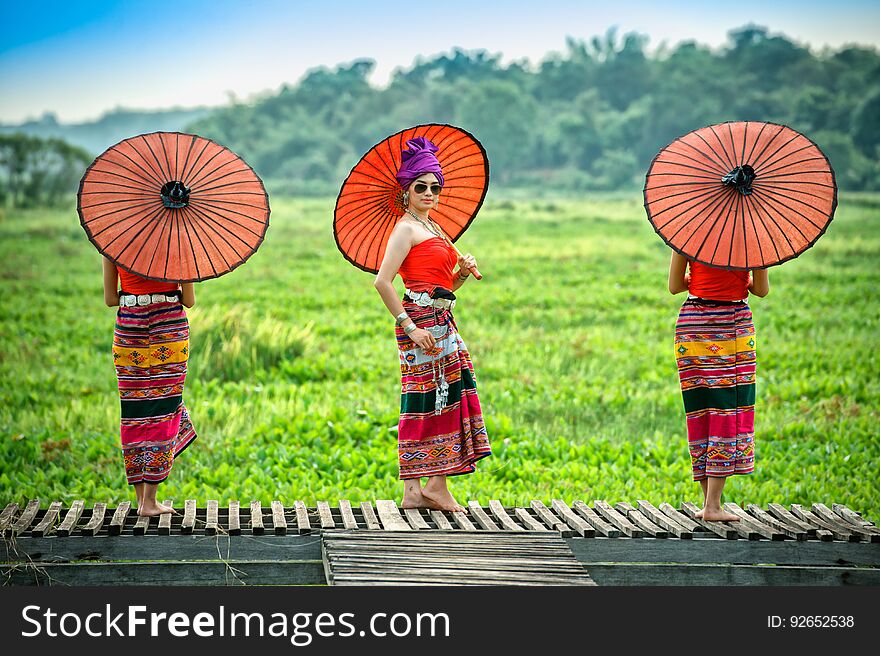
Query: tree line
x=589 y=118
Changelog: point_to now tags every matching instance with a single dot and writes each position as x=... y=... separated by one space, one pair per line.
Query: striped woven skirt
x=441 y=430
x=715 y=351
x=150 y=350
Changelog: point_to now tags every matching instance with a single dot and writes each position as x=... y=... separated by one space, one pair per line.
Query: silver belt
x=130 y=300
x=423 y=299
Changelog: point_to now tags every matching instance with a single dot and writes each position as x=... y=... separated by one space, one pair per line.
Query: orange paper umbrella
x=174 y=207
x=741 y=195
x=371 y=200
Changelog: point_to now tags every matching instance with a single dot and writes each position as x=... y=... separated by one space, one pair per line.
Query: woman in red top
x=716 y=356
x=150 y=351
x=441 y=431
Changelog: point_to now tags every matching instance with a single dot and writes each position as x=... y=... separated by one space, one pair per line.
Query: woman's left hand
x=467 y=263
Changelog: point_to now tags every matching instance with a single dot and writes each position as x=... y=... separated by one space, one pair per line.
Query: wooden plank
x=117 y=522
x=790 y=531
x=165 y=519
x=722 y=529
x=26 y=517
x=390 y=517
x=370 y=518
x=578 y=525
x=846 y=513
x=7 y=517
x=806 y=516
x=503 y=518
x=551 y=520
x=415 y=519
x=615 y=518
x=463 y=522
x=782 y=513
x=47 y=523
x=641 y=521
x=833 y=519
x=71 y=518
x=481 y=517
x=141 y=525
x=531 y=523
x=96 y=521
x=679 y=518
x=189 y=517
x=752 y=525
x=279 y=523
x=211 y=523
x=594 y=520
x=257 y=527
x=213 y=573
x=648 y=510
x=234 y=521
x=440 y=520
x=325 y=515
x=348 y=519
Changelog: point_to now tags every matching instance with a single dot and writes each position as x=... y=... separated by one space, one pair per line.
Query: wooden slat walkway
x=447 y=557
x=644 y=520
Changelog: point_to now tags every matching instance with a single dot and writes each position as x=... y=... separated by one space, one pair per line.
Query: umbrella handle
x=477 y=274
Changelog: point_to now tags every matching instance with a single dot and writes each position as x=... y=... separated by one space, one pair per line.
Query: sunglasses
x=421 y=187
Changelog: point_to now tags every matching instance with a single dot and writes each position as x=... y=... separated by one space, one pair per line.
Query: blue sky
x=79 y=59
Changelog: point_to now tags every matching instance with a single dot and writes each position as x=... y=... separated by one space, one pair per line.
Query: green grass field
x=294 y=378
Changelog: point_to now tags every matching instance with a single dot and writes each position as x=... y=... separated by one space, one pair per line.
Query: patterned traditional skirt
x=715 y=350
x=441 y=430
x=150 y=350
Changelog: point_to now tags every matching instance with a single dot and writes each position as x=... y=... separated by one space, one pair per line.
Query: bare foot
x=712 y=515
x=442 y=500
x=413 y=499
x=154 y=510
x=699 y=513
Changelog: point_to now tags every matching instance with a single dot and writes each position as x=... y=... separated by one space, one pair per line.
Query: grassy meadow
x=293 y=383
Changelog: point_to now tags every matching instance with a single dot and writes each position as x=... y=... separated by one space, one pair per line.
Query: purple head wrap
x=418 y=160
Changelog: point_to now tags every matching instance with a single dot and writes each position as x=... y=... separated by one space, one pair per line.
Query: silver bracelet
x=410 y=328
x=400 y=318
x=463 y=277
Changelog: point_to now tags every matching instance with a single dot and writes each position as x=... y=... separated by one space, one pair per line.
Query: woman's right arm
x=678 y=279
x=399 y=244
x=760 y=285
x=111 y=278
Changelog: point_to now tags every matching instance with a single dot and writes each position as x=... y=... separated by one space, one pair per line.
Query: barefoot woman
x=441 y=431
x=715 y=351
x=150 y=350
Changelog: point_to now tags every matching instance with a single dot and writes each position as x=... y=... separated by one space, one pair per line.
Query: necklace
x=432 y=227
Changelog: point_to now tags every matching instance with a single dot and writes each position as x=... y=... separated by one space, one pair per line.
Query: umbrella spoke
x=783 y=157
x=185 y=174
x=136 y=180
x=686 y=166
x=192 y=143
x=767 y=145
x=201 y=212
x=145 y=220
x=113 y=202
x=158 y=239
x=196 y=174
x=702 y=197
x=772 y=198
x=167 y=161
x=224 y=176
x=759 y=163
x=205 y=226
x=668 y=149
x=723 y=148
x=192 y=246
x=158 y=163
x=689 y=192
x=706 y=211
x=151 y=175
x=207 y=218
x=727 y=203
x=365 y=212
x=762 y=210
x=772 y=186
x=206 y=177
x=688 y=176
x=788 y=175
x=711 y=155
x=785 y=166
x=675 y=184
x=195 y=229
x=755 y=142
x=748 y=205
x=711 y=148
x=92 y=219
x=128 y=217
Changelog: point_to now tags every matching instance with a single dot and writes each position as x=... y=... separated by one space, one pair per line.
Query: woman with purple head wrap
x=441 y=431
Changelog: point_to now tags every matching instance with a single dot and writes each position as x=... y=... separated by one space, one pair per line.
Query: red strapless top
x=134 y=284
x=718 y=284
x=429 y=264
